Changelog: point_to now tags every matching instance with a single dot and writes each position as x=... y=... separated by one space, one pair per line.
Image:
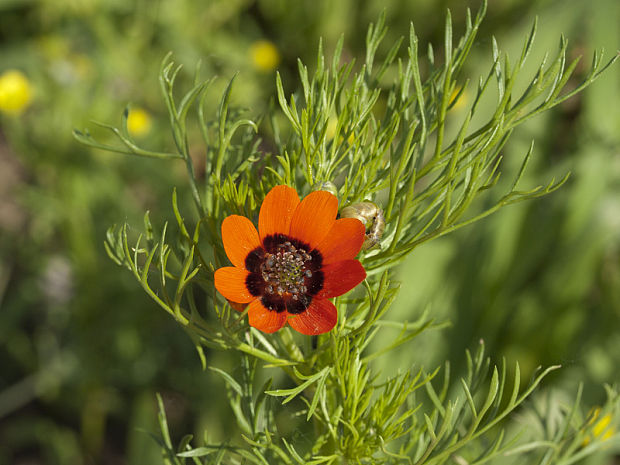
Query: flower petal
x=237 y=306
x=320 y=317
x=268 y=321
x=314 y=217
x=240 y=238
x=230 y=282
x=344 y=240
x=341 y=277
x=277 y=211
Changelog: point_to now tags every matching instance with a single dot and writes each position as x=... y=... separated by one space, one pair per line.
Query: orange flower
x=300 y=256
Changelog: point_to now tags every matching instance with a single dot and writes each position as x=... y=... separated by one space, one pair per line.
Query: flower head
x=264 y=55
x=138 y=122
x=300 y=256
x=15 y=92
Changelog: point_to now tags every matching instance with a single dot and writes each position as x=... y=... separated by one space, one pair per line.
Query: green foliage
x=391 y=144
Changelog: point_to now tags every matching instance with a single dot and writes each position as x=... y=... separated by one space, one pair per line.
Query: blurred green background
x=83 y=350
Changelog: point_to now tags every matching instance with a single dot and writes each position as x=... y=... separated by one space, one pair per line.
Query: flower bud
x=372 y=218
x=326 y=186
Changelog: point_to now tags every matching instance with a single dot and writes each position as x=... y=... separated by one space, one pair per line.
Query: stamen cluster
x=285 y=271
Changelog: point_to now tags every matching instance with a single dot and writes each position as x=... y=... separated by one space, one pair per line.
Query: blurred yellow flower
x=264 y=55
x=462 y=99
x=53 y=46
x=332 y=126
x=15 y=92
x=82 y=65
x=139 y=122
x=602 y=429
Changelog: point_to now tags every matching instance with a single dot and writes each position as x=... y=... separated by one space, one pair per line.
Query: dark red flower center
x=285 y=273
